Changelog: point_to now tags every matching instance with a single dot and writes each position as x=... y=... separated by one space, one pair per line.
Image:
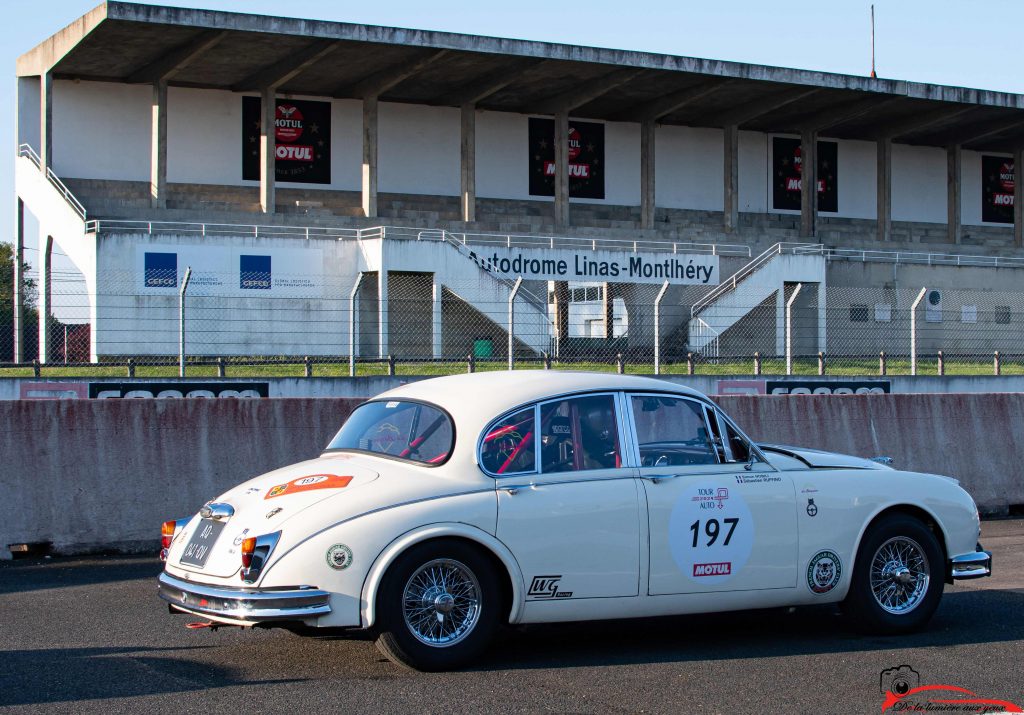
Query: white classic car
x=449 y=507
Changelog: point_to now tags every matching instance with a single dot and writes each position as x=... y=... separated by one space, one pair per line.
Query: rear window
x=406 y=430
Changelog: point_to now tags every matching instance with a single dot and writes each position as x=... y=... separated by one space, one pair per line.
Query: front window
x=406 y=430
x=672 y=431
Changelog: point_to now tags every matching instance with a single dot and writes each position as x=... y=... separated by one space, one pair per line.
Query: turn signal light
x=248 y=547
x=167 y=533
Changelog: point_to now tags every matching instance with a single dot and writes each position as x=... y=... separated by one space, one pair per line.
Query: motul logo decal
x=719 y=569
x=291 y=152
x=576 y=171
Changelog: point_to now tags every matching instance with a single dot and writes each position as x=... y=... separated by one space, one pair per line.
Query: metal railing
x=27 y=151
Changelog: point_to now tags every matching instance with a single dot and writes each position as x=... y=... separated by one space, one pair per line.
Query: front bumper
x=973 y=565
x=244 y=606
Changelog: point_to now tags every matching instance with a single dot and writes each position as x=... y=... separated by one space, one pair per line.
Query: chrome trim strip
x=973 y=565
x=250 y=606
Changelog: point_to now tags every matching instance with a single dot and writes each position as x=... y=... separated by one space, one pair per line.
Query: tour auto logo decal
x=339 y=557
x=711 y=532
x=824 y=571
x=903 y=692
x=306 y=484
x=302 y=140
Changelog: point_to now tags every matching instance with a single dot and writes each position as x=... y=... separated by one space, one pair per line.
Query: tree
x=31 y=315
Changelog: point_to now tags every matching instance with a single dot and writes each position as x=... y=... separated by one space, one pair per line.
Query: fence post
x=131 y=367
x=620 y=364
x=512 y=322
x=391 y=365
x=222 y=368
x=997 y=366
x=757 y=363
x=308 y=364
x=353 y=299
x=942 y=364
x=881 y=363
x=470 y=363
x=547 y=360
x=689 y=364
x=821 y=363
x=181 y=321
x=36 y=370
x=913 y=331
x=657 y=328
x=789 y=328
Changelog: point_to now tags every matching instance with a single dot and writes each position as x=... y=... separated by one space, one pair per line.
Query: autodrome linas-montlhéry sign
x=604 y=266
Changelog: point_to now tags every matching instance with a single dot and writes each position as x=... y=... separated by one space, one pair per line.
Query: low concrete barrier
x=103 y=474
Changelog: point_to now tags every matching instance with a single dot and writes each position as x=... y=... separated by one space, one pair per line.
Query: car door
x=567 y=507
x=720 y=518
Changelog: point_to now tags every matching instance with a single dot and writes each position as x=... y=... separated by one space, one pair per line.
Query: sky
x=950 y=42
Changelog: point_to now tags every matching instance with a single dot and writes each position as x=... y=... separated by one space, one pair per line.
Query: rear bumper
x=977 y=564
x=244 y=606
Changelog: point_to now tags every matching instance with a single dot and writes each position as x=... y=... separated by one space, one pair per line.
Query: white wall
x=689 y=168
x=918 y=183
x=858 y=179
x=753 y=167
x=502 y=161
x=28 y=112
x=418 y=149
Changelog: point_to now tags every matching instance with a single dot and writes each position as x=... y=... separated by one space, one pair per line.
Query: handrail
x=777 y=250
x=26 y=150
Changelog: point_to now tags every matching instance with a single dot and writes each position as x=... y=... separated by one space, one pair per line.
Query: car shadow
x=977 y=616
x=62 y=572
x=61 y=675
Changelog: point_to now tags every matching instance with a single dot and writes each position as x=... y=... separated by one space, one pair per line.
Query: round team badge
x=824 y=571
x=339 y=557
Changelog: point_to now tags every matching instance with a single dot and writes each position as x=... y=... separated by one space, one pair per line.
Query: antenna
x=873 y=75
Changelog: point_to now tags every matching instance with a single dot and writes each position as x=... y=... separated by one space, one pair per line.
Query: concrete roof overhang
x=134 y=43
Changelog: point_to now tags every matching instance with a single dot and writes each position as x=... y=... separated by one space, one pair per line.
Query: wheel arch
x=503 y=560
x=913 y=510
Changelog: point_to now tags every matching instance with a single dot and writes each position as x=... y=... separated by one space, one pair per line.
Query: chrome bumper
x=241 y=605
x=973 y=565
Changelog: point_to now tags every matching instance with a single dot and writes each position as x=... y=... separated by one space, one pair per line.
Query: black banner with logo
x=997 y=177
x=786 y=164
x=586 y=159
x=303 y=139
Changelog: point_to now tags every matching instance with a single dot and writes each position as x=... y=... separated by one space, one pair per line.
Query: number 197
x=712 y=529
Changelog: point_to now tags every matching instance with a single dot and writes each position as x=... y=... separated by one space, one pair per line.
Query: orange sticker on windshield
x=305 y=484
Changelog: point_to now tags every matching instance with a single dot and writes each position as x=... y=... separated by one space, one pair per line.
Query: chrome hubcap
x=441 y=602
x=899 y=575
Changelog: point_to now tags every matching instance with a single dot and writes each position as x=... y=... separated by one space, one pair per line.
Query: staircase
x=750 y=286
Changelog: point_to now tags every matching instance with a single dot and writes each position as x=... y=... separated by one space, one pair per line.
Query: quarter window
x=579 y=434
x=671 y=431
x=508 y=446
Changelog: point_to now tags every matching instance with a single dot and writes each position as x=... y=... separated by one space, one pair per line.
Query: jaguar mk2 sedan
x=449 y=507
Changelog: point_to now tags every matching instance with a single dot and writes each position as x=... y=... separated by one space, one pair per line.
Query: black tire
x=866 y=611
x=473 y=627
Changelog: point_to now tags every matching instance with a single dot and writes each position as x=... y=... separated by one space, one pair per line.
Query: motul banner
x=786 y=166
x=303 y=140
x=997 y=177
x=586 y=159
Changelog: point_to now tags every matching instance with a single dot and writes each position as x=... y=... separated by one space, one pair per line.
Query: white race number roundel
x=711 y=533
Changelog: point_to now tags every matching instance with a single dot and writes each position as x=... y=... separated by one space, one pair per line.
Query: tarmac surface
x=90 y=635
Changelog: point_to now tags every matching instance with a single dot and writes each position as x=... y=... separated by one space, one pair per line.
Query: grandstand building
x=341 y=189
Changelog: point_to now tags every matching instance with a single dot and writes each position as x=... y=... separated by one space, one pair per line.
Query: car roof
x=473 y=399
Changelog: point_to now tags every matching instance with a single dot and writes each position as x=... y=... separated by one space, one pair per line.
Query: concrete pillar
x=561 y=313
x=1018 y=193
x=808 y=183
x=382 y=311
x=268 y=150
x=883 y=200
x=562 y=169
x=370 y=157
x=438 y=328
x=469 y=162
x=780 y=319
x=609 y=312
x=647 y=186
x=45 y=301
x=46 y=121
x=158 y=147
x=731 y=197
x=19 y=281
x=953 y=201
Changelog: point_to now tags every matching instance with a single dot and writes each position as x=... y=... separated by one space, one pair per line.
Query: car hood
x=264 y=504
x=816 y=458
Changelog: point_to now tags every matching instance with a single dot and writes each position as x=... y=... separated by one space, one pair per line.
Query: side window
x=579 y=434
x=738 y=445
x=671 y=431
x=508 y=446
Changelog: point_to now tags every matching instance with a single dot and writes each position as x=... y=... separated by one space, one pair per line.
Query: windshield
x=405 y=430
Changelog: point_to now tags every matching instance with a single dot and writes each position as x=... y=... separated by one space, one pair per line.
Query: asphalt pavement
x=89 y=635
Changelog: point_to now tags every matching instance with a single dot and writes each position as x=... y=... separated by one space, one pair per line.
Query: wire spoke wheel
x=900 y=574
x=441 y=602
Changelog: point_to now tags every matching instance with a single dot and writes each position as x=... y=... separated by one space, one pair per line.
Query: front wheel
x=438 y=606
x=897 y=577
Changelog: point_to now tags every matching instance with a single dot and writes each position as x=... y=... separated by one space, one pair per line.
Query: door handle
x=659 y=478
x=514 y=489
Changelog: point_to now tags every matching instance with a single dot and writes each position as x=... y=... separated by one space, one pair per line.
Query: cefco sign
x=604 y=266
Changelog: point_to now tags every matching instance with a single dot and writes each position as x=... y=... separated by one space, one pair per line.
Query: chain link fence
x=419 y=323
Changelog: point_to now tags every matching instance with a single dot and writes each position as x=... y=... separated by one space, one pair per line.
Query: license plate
x=203 y=539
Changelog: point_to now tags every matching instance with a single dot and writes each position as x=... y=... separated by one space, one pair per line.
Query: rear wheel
x=438 y=606
x=897 y=578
